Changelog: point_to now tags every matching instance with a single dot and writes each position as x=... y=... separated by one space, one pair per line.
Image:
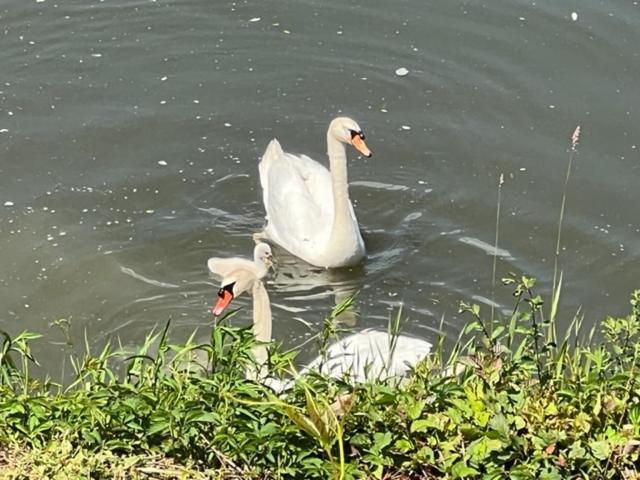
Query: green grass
x=504 y=402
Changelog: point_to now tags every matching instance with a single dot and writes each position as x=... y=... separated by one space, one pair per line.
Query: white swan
x=239 y=274
x=369 y=354
x=308 y=208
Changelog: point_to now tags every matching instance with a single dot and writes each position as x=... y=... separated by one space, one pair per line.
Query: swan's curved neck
x=261 y=328
x=338 y=163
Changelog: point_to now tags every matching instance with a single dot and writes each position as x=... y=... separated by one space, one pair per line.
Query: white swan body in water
x=368 y=355
x=309 y=212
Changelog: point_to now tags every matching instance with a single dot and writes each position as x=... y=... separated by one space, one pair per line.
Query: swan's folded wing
x=317 y=181
x=222 y=267
x=271 y=156
x=297 y=197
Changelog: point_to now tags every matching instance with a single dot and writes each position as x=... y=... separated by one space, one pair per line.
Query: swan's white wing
x=223 y=267
x=317 y=180
x=367 y=355
x=298 y=199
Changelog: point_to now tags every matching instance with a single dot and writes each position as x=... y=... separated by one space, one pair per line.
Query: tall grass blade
x=495 y=248
x=575 y=138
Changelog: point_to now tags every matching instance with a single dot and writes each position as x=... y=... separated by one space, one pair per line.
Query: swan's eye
x=228 y=288
x=355 y=134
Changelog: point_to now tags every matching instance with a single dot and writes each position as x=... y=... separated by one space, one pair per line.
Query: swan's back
x=367 y=355
x=298 y=199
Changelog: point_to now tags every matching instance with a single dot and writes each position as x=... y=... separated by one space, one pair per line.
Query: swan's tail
x=271 y=155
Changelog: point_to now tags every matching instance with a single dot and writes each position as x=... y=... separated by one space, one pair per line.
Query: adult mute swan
x=239 y=274
x=308 y=208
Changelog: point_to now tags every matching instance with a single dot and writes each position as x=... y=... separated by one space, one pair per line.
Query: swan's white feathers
x=222 y=267
x=225 y=268
x=308 y=209
x=298 y=200
x=367 y=355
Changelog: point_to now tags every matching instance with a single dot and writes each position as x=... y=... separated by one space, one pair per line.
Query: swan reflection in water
x=298 y=283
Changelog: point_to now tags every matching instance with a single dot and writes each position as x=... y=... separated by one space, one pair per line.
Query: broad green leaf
x=415 y=409
x=600 y=449
x=482 y=448
x=461 y=470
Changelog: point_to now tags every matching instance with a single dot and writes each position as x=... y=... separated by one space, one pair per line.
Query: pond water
x=130 y=133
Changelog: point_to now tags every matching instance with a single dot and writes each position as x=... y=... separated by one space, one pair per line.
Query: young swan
x=239 y=274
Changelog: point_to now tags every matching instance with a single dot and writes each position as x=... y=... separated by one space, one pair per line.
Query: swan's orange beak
x=359 y=145
x=225 y=295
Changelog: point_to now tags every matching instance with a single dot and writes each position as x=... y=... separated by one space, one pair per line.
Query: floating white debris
x=255 y=19
x=401 y=72
x=8 y=203
x=405 y=127
x=574 y=16
x=39 y=1
x=4 y=130
x=227 y=124
x=522 y=19
x=162 y=162
x=523 y=169
x=163 y=79
x=96 y=55
x=412 y=216
x=552 y=106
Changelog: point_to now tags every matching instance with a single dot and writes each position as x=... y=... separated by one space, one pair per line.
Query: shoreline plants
x=507 y=401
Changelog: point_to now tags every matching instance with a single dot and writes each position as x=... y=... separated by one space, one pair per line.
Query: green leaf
x=206 y=417
x=497 y=332
x=434 y=421
x=461 y=470
x=303 y=422
x=480 y=449
x=577 y=451
x=600 y=449
x=415 y=409
x=380 y=441
x=158 y=427
x=402 y=446
x=550 y=473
